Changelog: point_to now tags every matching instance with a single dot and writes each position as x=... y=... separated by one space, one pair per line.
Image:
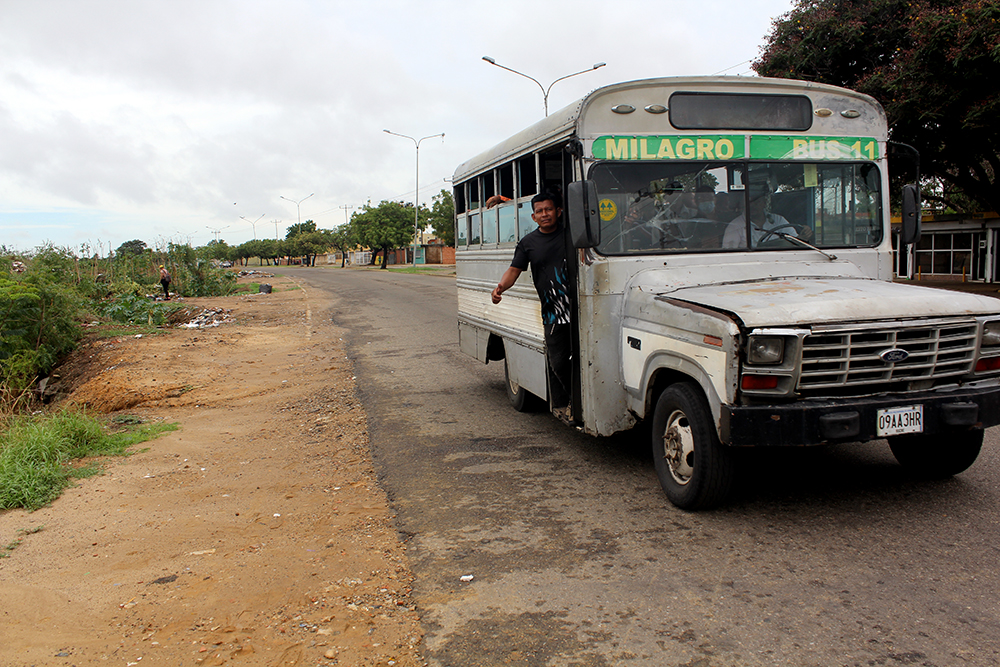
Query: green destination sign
x=733 y=147
x=813 y=148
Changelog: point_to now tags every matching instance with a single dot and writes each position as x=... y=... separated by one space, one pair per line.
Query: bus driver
x=761 y=219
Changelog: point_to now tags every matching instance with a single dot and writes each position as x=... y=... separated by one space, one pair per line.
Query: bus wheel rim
x=678 y=447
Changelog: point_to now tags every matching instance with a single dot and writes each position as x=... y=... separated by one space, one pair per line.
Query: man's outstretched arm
x=507 y=281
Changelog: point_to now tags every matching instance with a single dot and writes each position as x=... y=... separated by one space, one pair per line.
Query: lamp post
x=545 y=91
x=253 y=223
x=416 y=193
x=297 y=204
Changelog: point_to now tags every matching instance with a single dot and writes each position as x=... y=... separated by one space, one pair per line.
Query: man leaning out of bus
x=544 y=250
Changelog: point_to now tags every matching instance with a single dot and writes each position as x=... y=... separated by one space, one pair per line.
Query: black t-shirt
x=546 y=254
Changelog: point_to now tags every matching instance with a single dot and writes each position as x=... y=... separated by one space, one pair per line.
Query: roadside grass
x=429 y=269
x=247 y=288
x=112 y=330
x=39 y=455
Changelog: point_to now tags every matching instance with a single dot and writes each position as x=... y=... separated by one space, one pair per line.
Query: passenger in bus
x=724 y=210
x=697 y=203
x=496 y=200
x=544 y=250
x=765 y=224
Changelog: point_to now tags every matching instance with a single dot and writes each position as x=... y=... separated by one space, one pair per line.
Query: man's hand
x=496 y=294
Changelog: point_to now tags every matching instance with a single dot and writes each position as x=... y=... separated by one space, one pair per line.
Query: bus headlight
x=765 y=350
x=991 y=333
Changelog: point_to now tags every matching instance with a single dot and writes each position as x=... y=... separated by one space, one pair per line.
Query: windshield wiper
x=805 y=244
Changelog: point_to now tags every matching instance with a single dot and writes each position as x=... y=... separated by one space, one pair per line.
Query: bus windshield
x=667 y=207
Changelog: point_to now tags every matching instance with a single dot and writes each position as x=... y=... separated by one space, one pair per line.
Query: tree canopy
x=133 y=247
x=300 y=228
x=934 y=65
x=343 y=238
x=442 y=217
x=384 y=227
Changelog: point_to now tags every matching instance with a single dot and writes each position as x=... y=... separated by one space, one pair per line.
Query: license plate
x=902 y=420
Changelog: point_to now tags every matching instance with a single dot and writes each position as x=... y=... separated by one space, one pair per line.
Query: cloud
x=117 y=111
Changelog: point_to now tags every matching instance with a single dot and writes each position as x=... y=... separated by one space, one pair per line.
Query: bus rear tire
x=695 y=470
x=520 y=398
x=937 y=456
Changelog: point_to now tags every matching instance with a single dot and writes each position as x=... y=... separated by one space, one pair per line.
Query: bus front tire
x=520 y=398
x=695 y=470
x=937 y=456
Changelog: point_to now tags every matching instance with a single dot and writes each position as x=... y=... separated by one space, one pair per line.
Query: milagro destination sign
x=734 y=147
x=673 y=147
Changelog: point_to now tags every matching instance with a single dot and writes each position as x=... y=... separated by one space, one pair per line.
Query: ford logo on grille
x=894 y=355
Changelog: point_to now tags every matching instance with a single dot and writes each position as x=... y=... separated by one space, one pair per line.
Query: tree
x=343 y=239
x=310 y=244
x=384 y=227
x=217 y=249
x=133 y=247
x=300 y=228
x=442 y=217
x=932 y=64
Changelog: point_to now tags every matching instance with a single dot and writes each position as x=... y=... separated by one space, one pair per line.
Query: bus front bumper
x=817 y=422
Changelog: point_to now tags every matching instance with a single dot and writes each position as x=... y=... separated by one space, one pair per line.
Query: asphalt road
x=825 y=556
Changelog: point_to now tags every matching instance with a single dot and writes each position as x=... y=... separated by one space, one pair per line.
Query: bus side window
x=462 y=231
x=508 y=222
x=490 y=226
x=506 y=173
x=527 y=187
x=525 y=223
x=474 y=232
x=552 y=173
x=474 y=201
x=527 y=177
x=489 y=187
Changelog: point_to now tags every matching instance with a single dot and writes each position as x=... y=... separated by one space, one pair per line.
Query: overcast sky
x=171 y=119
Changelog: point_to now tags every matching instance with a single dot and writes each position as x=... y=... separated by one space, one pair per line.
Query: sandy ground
x=255 y=534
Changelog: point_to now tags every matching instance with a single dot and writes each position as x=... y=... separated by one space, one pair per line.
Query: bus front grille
x=841 y=359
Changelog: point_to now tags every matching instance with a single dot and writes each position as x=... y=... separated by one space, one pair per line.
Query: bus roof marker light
x=850 y=113
x=656 y=108
x=623 y=108
x=823 y=113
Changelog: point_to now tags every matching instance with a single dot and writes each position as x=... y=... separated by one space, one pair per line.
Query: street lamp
x=416 y=193
x=253 y=223
x=545 y=91
x=297 y=203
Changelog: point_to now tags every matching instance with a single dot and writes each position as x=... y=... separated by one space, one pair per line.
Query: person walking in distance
x=544 y=250
x=165 y=281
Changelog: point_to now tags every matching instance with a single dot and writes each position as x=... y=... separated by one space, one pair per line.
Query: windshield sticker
x=609 y=211
x=813 y=148
x=696 y=147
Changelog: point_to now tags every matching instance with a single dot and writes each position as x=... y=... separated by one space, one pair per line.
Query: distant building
x=952 y=247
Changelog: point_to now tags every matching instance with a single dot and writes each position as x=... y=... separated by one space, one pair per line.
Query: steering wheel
x=773 y=231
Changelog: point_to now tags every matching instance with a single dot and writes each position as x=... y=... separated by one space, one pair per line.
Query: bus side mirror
x=911 y=215
x=584 y=217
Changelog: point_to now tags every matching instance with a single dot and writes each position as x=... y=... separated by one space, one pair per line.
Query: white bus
x=732 y=269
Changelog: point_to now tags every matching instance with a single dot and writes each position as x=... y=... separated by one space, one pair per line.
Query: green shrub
x=36 y=454
x=133 y=309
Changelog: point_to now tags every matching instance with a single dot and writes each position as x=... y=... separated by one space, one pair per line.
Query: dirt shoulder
x=256 y=534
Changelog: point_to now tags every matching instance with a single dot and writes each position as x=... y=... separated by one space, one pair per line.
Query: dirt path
x=256 y=534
